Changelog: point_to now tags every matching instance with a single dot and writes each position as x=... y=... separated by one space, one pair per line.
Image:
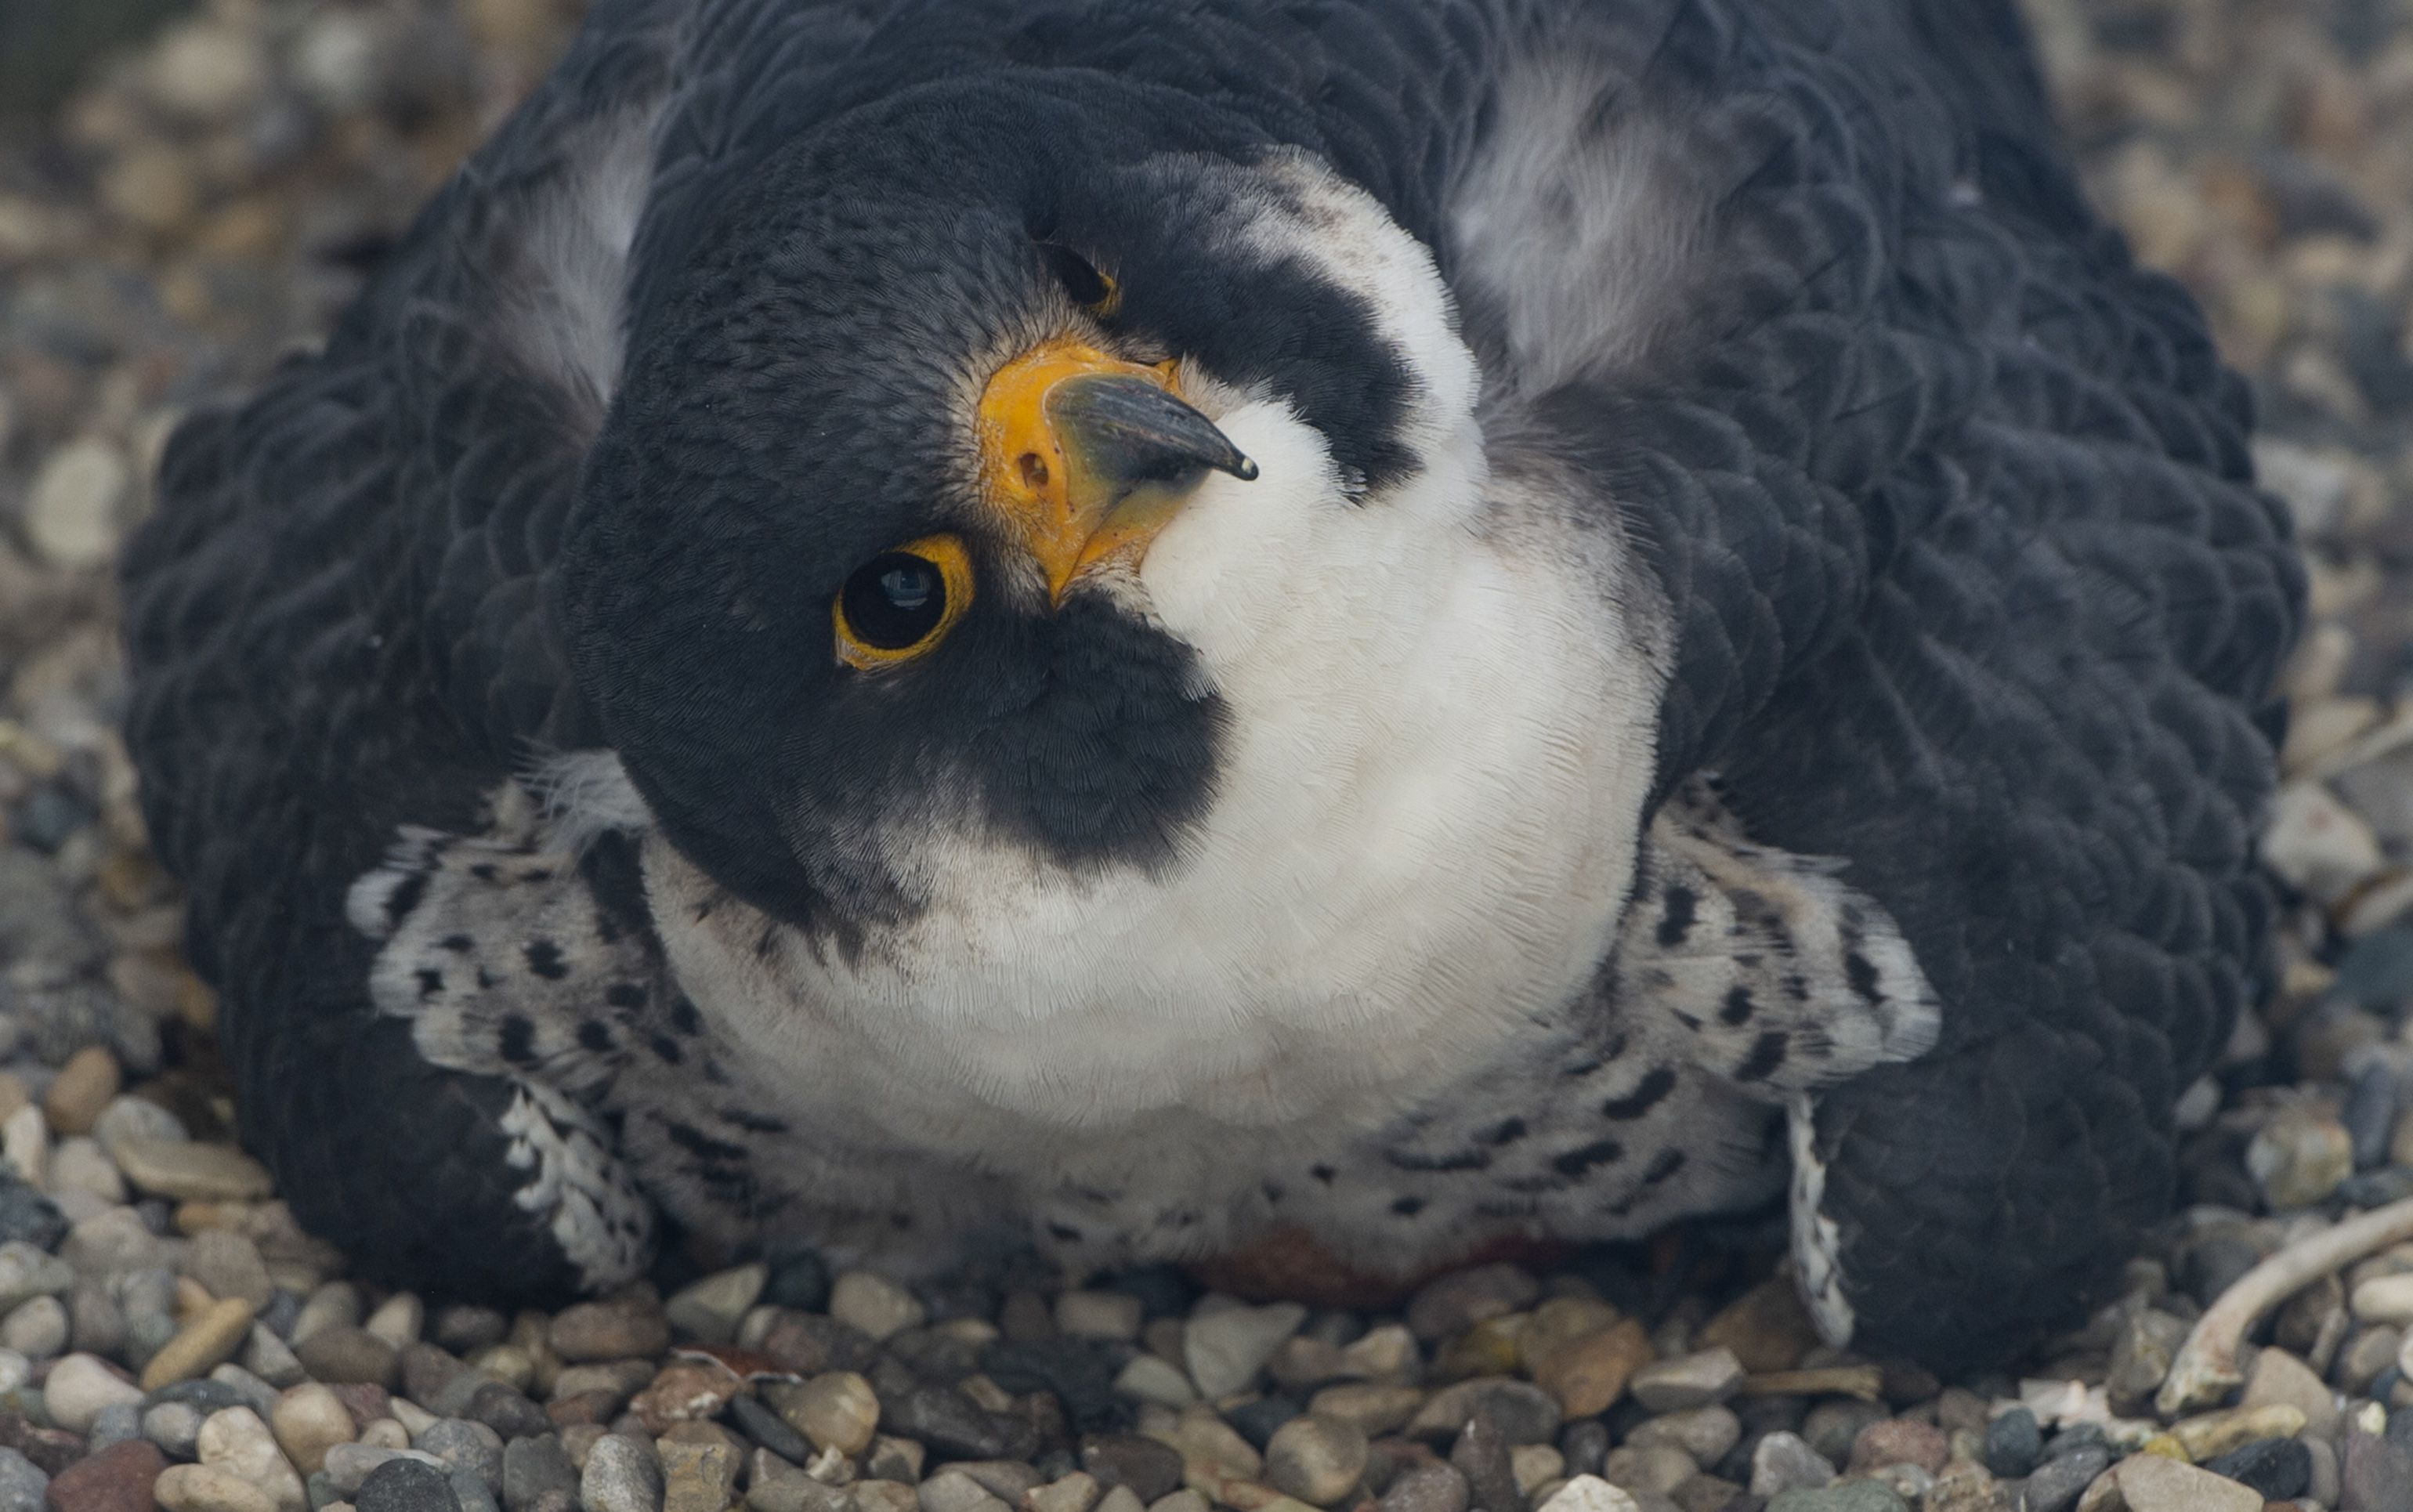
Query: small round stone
x=2300 y=1157
x=1899 y=1441
x=2014 y=1444
x=1450 y=1305
x=189 y=1172
x=175 y=1426
x=465 y=1445
x=118 y=1424
x=26 y=1272
x=1694 y=1380
x=344 y=1355
x=1429 y=1487
x=307 y=1423
x=622 y=1475
x=79 y=1387
x=1781 y=1463
x=1588 y=1375
x=880 y=1306
x=1590 y=1494
x=838 y=1411
x=1705 y=1433
x=23 y=1484
x=116 y=1479
x=1224 y=1350
x=620 y=1327
x=406 y=1486
x=1316 y=1458
x=71 y=513
x=202 y=1488
x=229 y=1265
x=83 y=1087
x=708 y=1311
x=36 y=1329
x=236 y=1441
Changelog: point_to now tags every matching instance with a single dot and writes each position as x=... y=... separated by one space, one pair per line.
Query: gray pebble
x=117 y=1423
x=268 y=1356
x=537 y=1476
x=1426 y=1488
x=175 y=1426
x=321 y=1489
x=467 y=1445
x=22 y=1483
x=2376 y=971
x=1853 y=1496
x=1783 y=1462
x=1150 y=1469
x=1481 y=1455
x=404 y=1486
x=2055 y=1485
x=27 y=1214
x=227 y=1264
x=206 y=1397
x=37 y=1330
x=621 y=1476
x=254 y=1393
x=1454 y=1303
x=113 y=1242
x=954 y=1426
x=767 y=1429
x=1584 y=1443
x=95 y=1323
x=471 y=1494
x=952 y=1490
x=466 y=1331
x=27 y=1272
x=506 y=1411
x=282 y=1311
x=2370 y=1113
x=349 y=1465
x=2014 y=1444
x=1831 y=1427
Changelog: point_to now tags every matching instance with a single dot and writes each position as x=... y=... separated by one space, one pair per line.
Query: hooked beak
x=1085 y=457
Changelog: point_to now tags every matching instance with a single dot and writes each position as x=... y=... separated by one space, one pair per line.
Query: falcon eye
x=1091 y=290
x=902 y=602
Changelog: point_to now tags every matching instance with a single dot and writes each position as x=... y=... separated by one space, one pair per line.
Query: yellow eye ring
x=901 y=603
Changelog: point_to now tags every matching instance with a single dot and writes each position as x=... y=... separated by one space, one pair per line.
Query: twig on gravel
x=2207 y=1364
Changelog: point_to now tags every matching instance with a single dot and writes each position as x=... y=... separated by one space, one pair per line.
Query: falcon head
x=1062 y=591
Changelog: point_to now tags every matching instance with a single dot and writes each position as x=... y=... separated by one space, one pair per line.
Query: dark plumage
x=1929 y=516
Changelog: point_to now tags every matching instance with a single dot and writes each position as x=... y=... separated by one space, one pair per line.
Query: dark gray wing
x=1952 y=508
x=336 y=628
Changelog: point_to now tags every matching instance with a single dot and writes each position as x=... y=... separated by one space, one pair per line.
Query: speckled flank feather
x=1940 y=514
x=1743 y=981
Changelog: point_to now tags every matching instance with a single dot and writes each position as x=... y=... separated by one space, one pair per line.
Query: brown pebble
x=81 y=1088
x=366 y=1400
x=684 y=1392
x=630 y=1324
x=1767 y=1327
x=1586 y=1375
x=1898 y=1441
x=347 y=1355
x=583 y=1407
x=117 y=1479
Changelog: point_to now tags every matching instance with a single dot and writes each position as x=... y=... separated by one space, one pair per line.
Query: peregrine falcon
x=1404 y=624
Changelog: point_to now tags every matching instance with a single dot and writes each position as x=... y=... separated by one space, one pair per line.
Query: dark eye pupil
x=894 y=600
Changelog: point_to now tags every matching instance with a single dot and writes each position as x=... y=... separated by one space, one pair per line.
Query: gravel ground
x=168 y=1338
